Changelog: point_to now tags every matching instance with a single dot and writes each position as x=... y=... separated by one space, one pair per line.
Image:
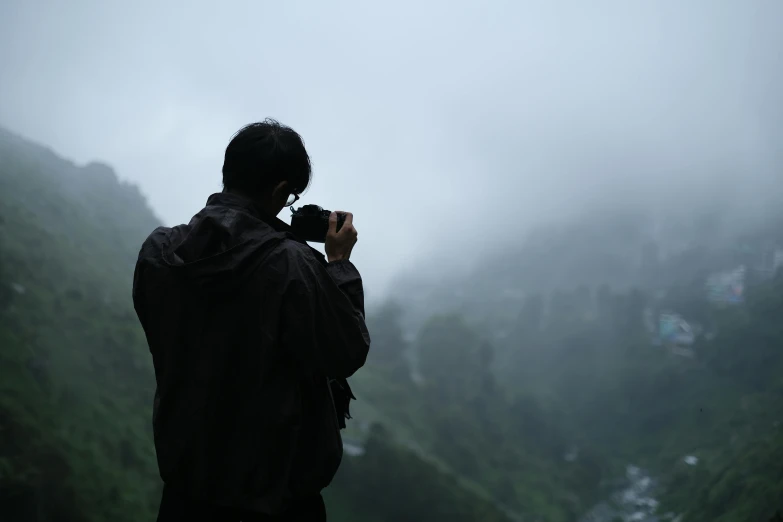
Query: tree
x=388 y=344
x=448 y=352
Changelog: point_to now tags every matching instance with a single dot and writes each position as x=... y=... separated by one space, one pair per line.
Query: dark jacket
x=247 y=325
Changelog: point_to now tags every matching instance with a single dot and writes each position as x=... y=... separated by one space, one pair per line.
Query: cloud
x=444 y=126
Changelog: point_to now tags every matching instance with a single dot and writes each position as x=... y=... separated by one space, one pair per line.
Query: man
x=252 y=335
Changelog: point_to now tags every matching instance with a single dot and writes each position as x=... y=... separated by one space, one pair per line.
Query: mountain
x=632 y=248
x=573 y=315
x=539 y=380
x=76 y=381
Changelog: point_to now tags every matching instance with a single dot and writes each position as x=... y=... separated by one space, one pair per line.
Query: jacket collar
x=235 y=201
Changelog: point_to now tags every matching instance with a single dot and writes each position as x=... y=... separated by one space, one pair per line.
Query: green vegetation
x=633 y=402
x=508 y=450
x=508 y=389
x=411 y=489
x=76 y=381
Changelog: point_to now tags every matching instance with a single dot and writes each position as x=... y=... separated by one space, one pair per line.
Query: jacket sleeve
x=323 y=314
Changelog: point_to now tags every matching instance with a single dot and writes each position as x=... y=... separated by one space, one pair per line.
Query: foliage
x=408 y=487
x=634 y=402
x=509 y=451
x=76 y=382
x=471 y=419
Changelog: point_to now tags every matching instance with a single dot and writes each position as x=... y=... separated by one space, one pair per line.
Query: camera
x=311 y=222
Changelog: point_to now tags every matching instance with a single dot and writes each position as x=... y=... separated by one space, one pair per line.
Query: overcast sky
x=442 y=125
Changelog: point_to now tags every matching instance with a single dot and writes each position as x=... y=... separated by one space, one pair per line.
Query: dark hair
x=262 y=155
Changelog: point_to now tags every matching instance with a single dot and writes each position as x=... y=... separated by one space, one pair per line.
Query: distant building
x=727 y=287
x=675 y=330
x=676 y=334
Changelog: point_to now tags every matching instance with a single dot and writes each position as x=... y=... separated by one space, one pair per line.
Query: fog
x=571 y=237
x=446 y=127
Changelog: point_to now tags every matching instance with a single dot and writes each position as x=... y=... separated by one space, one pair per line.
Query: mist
x=570 y=220
x=446 y=127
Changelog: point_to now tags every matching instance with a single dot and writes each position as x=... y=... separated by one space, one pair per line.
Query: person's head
x=267 y=162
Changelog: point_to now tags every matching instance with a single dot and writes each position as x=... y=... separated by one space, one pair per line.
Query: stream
x=634 y=502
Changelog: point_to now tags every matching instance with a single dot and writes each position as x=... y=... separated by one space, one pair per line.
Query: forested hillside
x=76 y=381
x=532 y=396
x=576 y=314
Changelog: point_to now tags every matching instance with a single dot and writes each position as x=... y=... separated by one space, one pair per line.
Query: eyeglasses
x=293 y=198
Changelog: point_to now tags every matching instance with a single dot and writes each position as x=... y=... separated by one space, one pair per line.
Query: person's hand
x=338 y=245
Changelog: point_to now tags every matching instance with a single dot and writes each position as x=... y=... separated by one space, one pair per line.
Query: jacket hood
x=223 y=243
